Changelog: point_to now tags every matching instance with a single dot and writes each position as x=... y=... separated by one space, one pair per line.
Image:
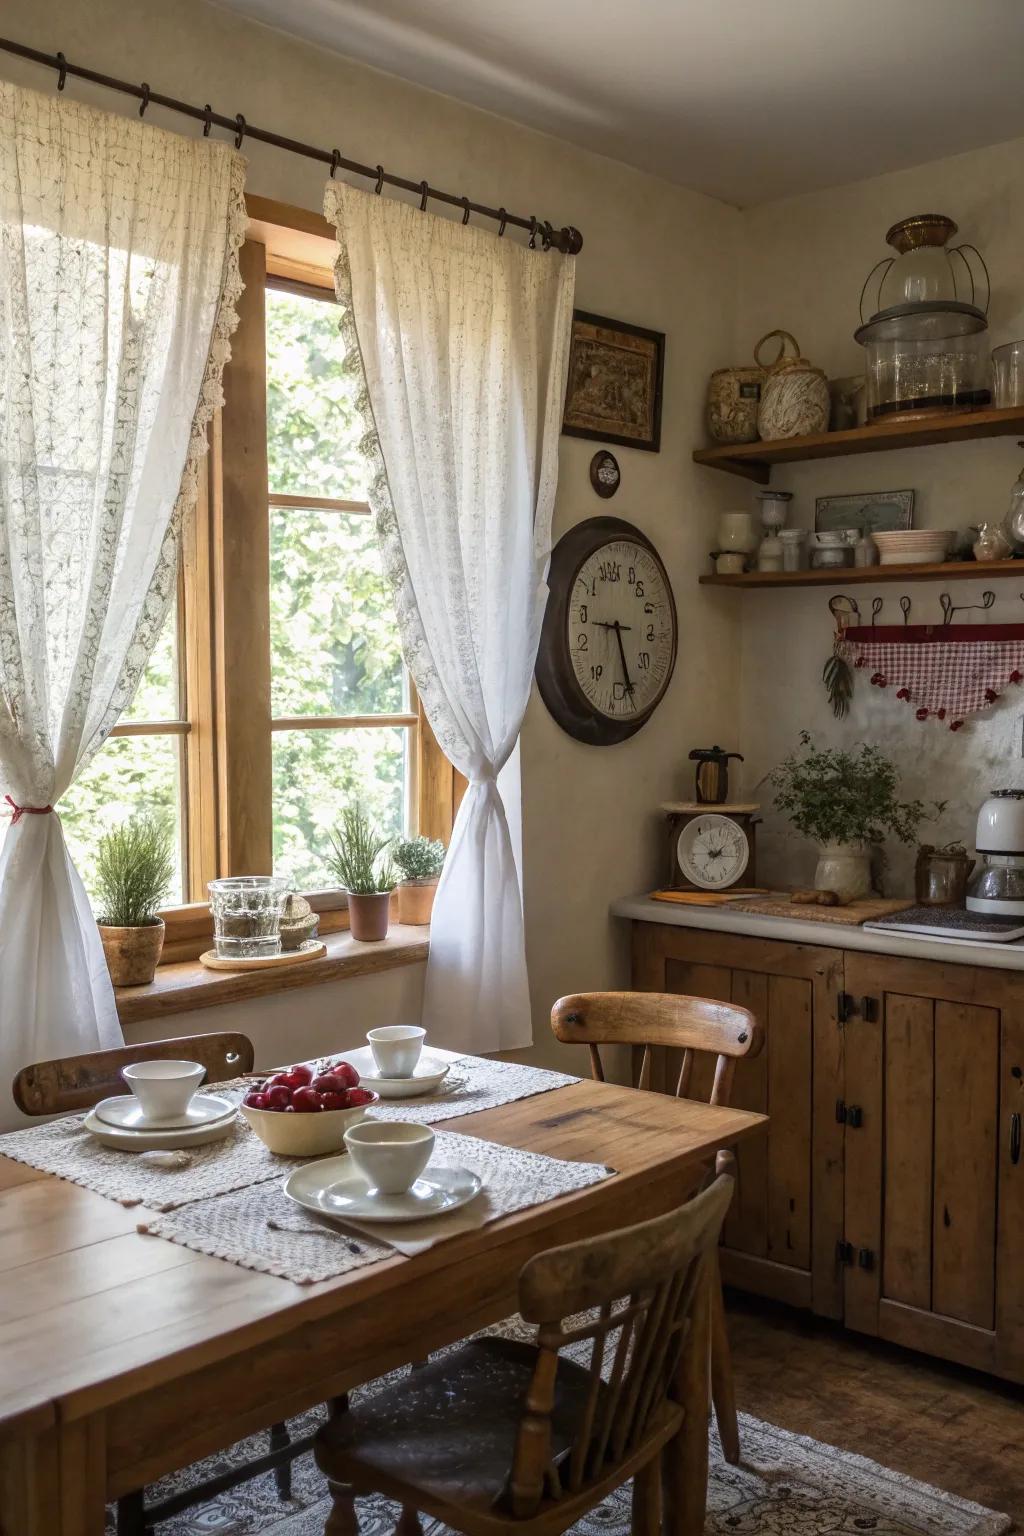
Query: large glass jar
x=925 y=361
x=247 y=915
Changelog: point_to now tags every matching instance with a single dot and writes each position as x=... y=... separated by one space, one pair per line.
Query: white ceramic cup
x=390 y=1155
x=164 y=1088
x=396 y=1048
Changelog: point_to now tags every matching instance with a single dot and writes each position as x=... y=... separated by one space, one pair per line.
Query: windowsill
x=186 y=984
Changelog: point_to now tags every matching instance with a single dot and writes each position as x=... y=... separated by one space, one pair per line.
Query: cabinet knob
x=1015 y=1138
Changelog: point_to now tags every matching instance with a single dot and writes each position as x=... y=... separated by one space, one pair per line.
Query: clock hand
x=622 y=656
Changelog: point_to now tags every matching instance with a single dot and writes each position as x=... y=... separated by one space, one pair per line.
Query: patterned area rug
x=787 y=1485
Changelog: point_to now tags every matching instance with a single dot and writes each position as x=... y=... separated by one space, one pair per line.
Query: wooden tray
x=214 y=962
x=857 y=912
x=710 y=898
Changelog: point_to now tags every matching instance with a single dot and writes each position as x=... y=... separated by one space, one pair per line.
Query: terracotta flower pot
x=368 y=915
x=416 y=901
x=133 y=954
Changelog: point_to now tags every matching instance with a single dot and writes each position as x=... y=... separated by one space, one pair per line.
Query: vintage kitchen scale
x=710 y=841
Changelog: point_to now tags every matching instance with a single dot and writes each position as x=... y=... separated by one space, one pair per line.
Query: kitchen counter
x=1003 y=957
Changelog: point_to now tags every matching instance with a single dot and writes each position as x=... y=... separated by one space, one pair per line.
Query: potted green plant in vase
x=847 y=802
x=364 y=872
x=420 y=861
x=134 y=870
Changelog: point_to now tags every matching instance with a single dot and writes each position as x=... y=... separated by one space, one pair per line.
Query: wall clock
x=608 y=645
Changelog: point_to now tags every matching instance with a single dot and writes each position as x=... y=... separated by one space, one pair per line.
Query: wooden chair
x=712 y=1037
x=78 y=1082
x=498 y=1437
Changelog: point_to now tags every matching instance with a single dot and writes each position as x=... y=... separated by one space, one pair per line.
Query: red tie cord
x=26 y=810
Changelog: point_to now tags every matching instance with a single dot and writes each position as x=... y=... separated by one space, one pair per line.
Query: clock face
x=621 y=629
x=609 y=640
x=712 y=852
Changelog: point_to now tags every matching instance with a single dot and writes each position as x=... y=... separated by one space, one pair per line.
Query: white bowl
x=913 y=546
x=390 y=1154
x=294 y=1134
x=163 y=1088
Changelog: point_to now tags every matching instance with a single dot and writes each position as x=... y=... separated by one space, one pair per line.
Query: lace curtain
x=118 y=277
x=463 y=341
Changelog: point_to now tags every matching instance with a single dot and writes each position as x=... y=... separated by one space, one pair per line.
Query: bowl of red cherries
x=305 y=1111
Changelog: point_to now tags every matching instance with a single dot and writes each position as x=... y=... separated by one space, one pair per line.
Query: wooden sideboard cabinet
x=889 y=1190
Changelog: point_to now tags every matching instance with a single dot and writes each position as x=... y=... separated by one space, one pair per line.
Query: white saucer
x=158 y=1141
x=332 y=1187
x=126 y=1113
x=430 y=1073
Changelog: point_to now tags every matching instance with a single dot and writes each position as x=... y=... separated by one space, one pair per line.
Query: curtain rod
x=567 y=239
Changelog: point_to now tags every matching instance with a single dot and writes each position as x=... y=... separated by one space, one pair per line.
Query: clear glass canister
x=247 y=915
x=925 y=361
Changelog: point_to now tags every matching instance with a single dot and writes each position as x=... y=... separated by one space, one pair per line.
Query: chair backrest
x=79 y=1082
x=636 y=1287
x=695 y=1025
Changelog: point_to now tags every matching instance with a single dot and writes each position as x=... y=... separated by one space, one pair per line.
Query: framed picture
x=870 y=511
x=615 y=376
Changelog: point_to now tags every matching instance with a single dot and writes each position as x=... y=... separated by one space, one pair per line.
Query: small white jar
x=770 y=554
x=736 y=532
x=792 y=541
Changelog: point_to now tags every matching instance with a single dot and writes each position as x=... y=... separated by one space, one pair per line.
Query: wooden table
x=123 y=1357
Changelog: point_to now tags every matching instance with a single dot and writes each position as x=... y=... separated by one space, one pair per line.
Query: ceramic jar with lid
x=795 y=399
x=770 y=553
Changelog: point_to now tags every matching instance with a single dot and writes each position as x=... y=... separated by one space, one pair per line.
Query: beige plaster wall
x=802 y=266
x=654 y=254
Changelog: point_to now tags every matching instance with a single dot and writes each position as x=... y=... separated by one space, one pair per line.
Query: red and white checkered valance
x=947 y=671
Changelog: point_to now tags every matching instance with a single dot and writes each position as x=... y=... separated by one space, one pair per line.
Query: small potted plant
x=420 y=861
x=364 y=873
x=134 y=870
x=846 y=802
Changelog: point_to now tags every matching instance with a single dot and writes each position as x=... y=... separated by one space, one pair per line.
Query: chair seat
x=447 y=1431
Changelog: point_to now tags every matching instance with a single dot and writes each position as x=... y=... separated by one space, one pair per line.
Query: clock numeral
x=583 y=613
x=631 y=578
x=643 y=661
x=639 y=590
x=609 y=570
x=581 y=642
x=595 y=673
x=648 y=607
x=650 y=634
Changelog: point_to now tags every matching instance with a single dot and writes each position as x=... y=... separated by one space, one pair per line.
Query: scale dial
x=609 y=641
x=713 y=851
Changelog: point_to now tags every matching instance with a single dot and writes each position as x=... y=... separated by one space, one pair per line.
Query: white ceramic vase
x=844 y=868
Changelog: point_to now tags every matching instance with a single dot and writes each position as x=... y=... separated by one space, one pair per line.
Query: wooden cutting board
x=867 y=910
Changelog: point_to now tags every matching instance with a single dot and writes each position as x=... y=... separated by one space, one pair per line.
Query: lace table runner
x=262 y=1229
x=65 y=1148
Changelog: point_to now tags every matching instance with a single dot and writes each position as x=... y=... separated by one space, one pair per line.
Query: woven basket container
x=734 y=395
x=795 y=399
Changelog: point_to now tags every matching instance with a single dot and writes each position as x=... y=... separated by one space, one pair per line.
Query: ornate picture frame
x=884 y=511
x=616 y=372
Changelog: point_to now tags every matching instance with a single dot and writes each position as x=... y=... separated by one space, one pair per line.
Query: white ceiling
x=745 y=99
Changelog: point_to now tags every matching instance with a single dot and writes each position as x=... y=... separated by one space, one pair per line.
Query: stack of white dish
x=163 y=1111
x=913 y=546
x=395 y=1065
x=384 y=1178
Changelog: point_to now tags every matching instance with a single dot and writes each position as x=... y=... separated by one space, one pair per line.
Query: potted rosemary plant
x=364 y=872
x=846 y=802
x=134 y=870
x=420 y=861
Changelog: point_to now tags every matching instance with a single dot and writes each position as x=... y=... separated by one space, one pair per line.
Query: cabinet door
x=928 y=1068
x=781 y=1232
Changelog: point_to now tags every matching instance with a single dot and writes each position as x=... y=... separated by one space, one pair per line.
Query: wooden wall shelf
x=754 y=460
x=845 y=576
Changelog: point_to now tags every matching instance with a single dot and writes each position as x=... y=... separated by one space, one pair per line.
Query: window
x=277 y=692
x=342 y=722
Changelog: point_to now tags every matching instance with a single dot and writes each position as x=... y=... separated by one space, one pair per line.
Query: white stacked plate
x=913 y=546
x=430 y=1074
x=332 y=1187
x=119 y=1122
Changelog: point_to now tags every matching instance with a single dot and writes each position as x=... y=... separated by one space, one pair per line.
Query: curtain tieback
x=26 y=810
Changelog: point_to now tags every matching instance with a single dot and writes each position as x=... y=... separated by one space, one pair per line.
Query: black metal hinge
x=849 y=1114
x=847 y=1007
x=844 y=1252
x=866 y=1258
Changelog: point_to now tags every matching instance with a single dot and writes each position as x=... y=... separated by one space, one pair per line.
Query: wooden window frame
x=224 y=612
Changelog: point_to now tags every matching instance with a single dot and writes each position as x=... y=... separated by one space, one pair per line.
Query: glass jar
x=941 y=875
x=1008 y=375
x=247 y=915
x=792 y=541
x=774 y=509
x=923 y=270
x=925 y=361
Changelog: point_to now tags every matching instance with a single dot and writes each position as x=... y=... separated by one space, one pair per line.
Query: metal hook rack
x=845 y=609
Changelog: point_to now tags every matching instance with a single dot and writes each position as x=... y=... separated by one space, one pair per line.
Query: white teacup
x=164 y=1088
x=390 y=1155
x=396 y=1048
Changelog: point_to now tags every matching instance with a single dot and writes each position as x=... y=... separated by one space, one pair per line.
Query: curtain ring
x=144 y=103
x=380 y=180
x=424 y=191
x=335 y=162
x=534 y=226
x=208 y=124
x=62 y=73
x=465 y=210
x=240 y=135
x=547 y=239
x=503 y=216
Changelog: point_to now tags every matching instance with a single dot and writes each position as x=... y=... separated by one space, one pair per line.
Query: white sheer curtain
x=118 y=276
x=464 y=343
